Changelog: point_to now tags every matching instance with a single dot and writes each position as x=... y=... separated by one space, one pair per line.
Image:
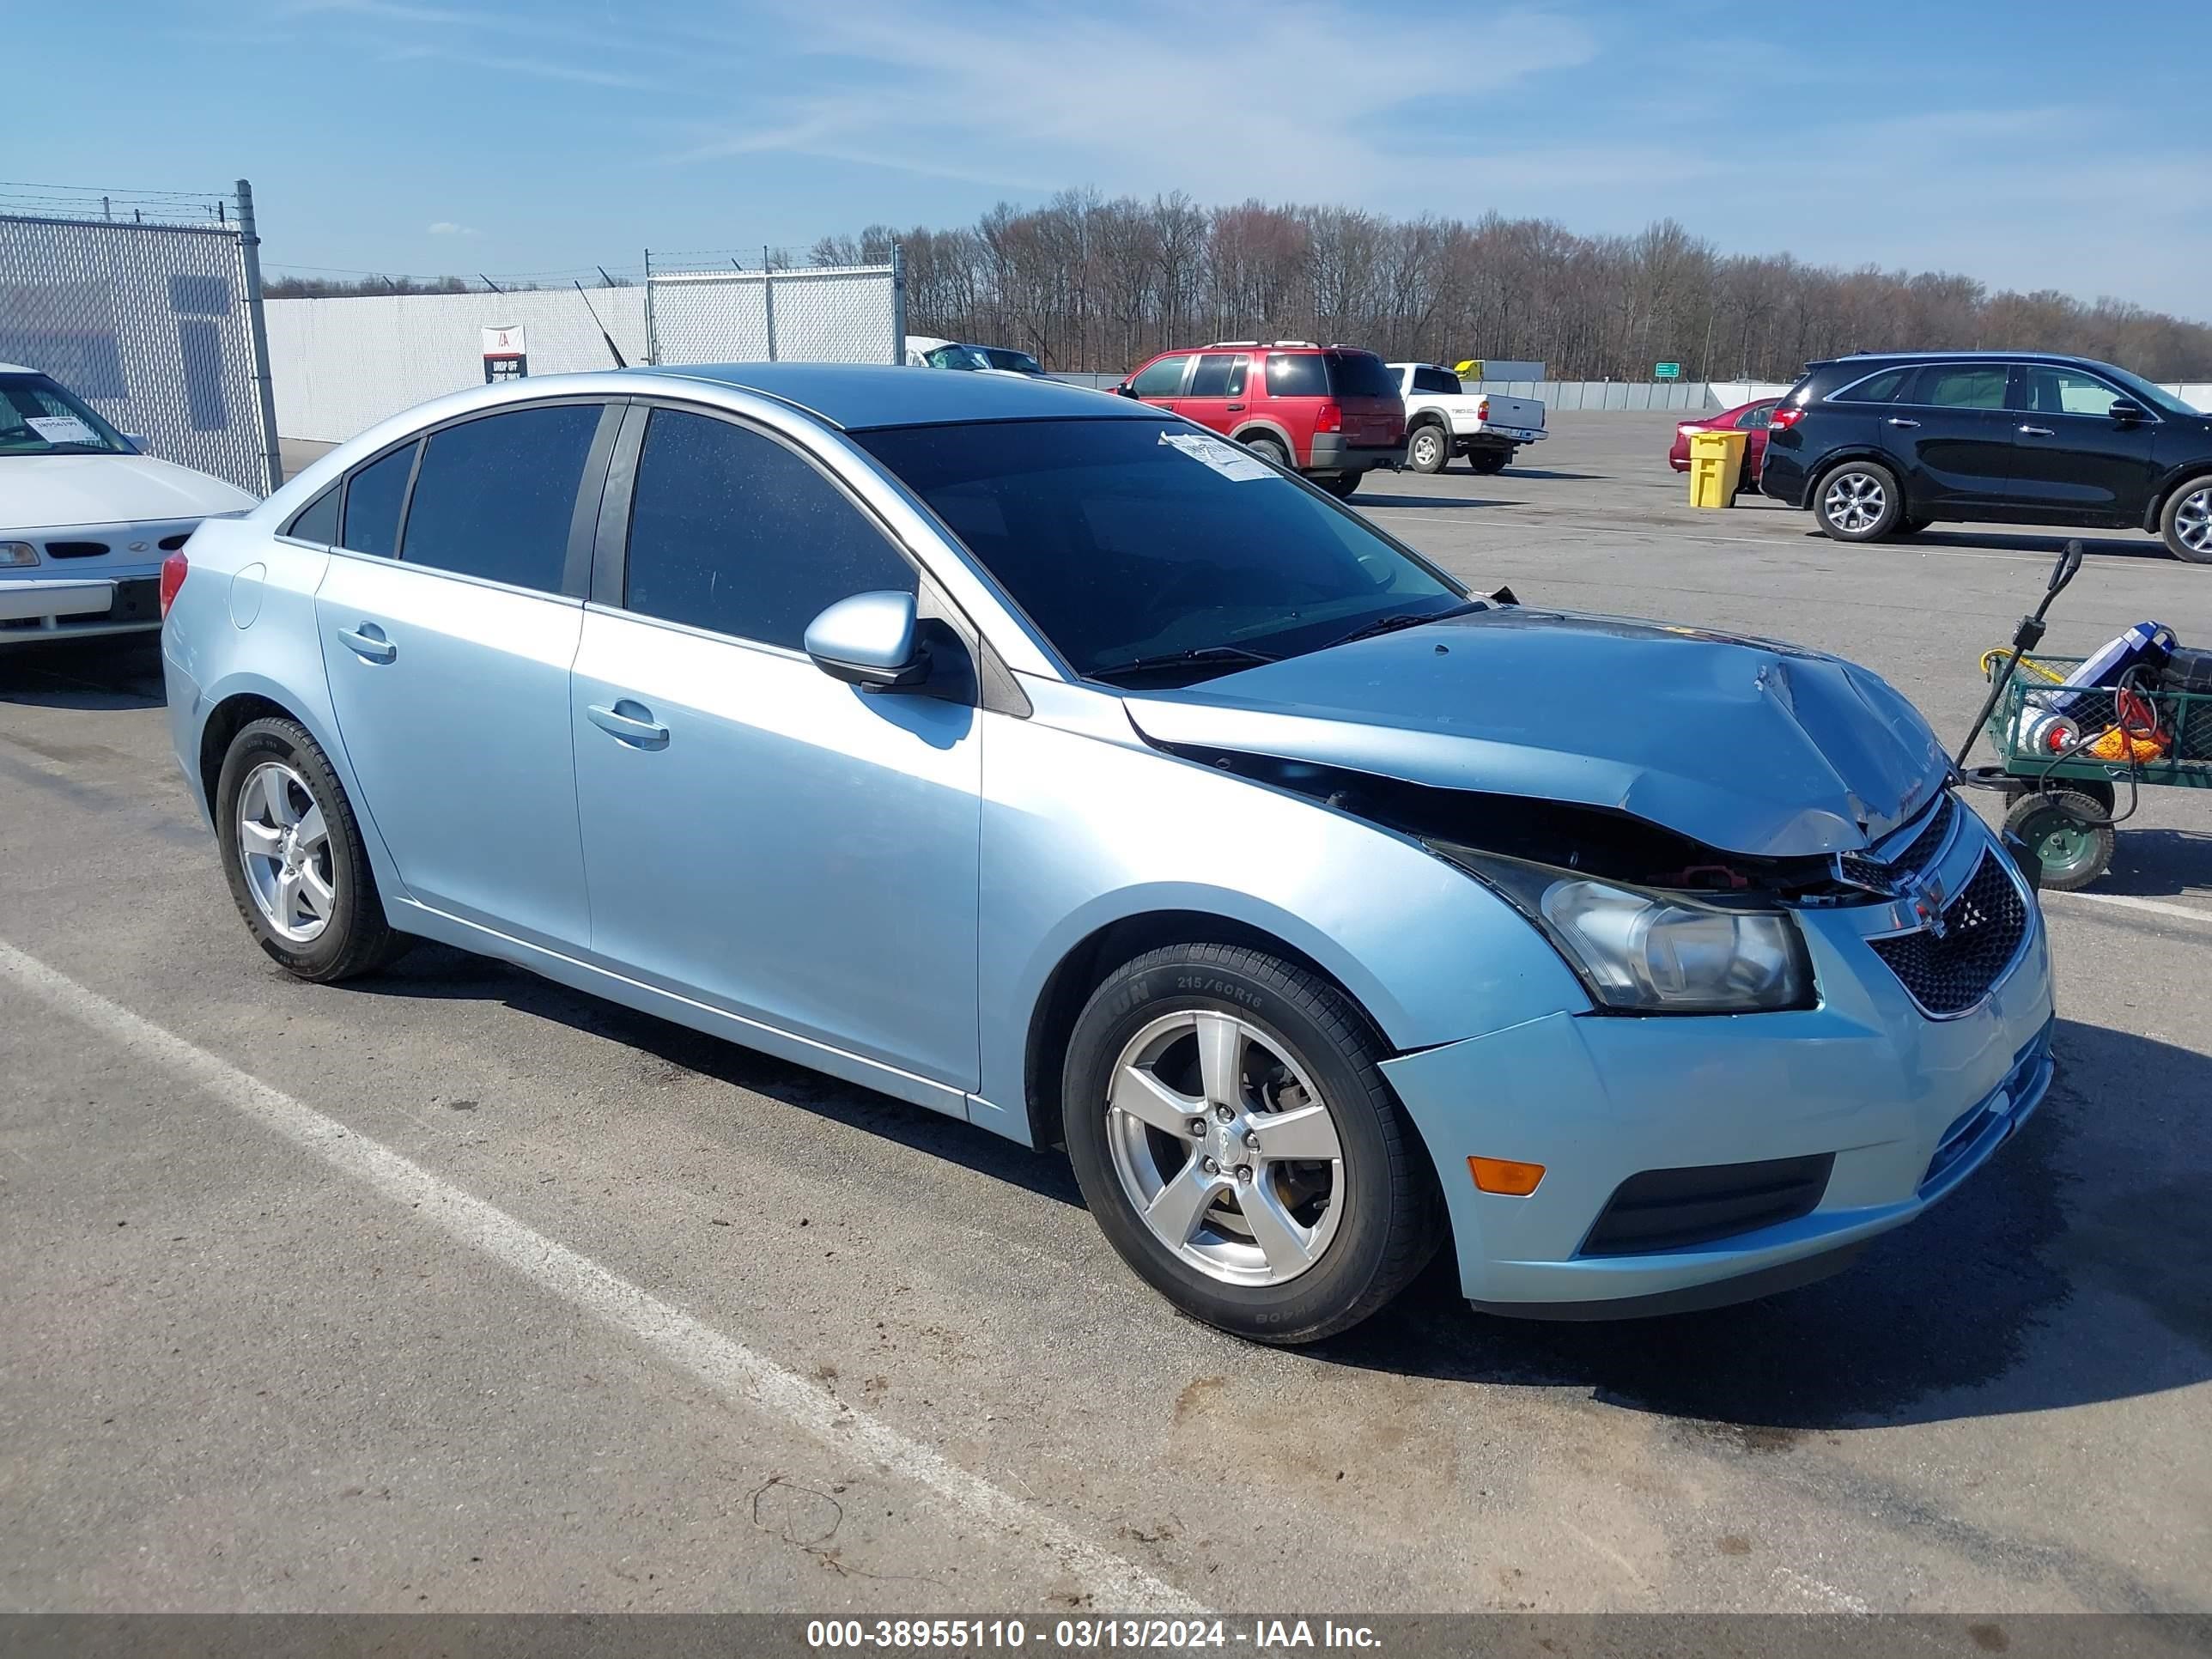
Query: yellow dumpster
x=1715 y=467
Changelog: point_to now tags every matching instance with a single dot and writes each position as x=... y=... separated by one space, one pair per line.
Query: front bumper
x=116 y=601
x=1906 y=1106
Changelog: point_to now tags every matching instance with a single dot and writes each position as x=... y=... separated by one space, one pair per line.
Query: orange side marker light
x=1504 y=1177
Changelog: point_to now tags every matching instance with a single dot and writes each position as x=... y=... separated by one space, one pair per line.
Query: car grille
x=1673 y=1209
x=1879 y=874
x=1982 y=930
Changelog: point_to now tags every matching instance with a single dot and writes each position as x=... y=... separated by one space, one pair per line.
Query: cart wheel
x=2065 y=832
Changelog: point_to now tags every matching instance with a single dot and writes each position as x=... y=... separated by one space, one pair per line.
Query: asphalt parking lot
x=451 y=1289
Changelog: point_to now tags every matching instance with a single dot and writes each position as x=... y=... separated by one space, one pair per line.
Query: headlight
x=1663 y=953
x=17 y=553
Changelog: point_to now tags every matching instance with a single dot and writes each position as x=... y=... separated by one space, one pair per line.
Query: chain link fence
x=705 y=308
x=148 y=307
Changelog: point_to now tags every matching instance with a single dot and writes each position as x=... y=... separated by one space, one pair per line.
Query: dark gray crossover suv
x=1887 y=444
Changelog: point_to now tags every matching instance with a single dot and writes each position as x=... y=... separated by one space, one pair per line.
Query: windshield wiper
x=1199 y=656
x=1391 y=624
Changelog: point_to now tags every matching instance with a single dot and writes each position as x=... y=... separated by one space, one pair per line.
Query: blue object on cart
x=2145 y=642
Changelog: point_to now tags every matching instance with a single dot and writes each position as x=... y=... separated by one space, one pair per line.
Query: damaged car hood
x=1744 y=744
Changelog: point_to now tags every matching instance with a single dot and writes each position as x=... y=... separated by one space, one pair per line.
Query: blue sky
x=2028 y=142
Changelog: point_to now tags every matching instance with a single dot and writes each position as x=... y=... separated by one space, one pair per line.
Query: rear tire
x=292 y=850
x=1353 y=1179
x=1858 y=501
x=1269 y=450
x=1428 y=448
x=1489 y=460
x=2185 y=525
x=1339 y=484
x=2058 y=828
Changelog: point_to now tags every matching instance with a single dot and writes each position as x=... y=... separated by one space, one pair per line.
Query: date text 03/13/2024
x=1083 y=1635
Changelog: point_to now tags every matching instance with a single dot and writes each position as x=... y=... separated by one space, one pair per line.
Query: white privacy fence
x=342 y=365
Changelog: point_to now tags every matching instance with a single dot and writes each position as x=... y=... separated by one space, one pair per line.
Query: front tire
x=2185 y=525
x=1858 y=501
x=292 y=850
x=1231 y=1130
x=1429 y=449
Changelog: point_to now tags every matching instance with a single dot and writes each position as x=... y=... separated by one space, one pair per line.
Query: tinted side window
x=1962 y=385
x=1162 y=379
x=2067 y=392
x=1436 y=379
x=1757 y=418
x=372 y=500
x=317 y=522
x=1296 y=374
x=1882 y=388
x=1210 y=378
x=732 y=532
x=495 y=496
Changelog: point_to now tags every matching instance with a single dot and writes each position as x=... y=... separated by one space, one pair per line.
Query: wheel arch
x=1271 y=428
x=1816 y=476
x=1085 y=965
x=2190 y=472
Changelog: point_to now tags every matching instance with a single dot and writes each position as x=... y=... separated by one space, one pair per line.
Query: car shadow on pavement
x=2075 y=1268
x=2095 y=546
x=438 y=973
x=2152 y=863
x=1365 y=500
x=115 y=672
x=1542 y=472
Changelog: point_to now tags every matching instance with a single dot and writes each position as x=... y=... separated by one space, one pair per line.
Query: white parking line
x=2128 y=902
x=731 y=1369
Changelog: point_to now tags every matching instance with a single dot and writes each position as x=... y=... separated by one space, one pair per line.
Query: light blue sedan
x=1042 y=759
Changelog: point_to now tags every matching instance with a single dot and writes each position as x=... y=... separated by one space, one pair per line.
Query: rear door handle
x=1899 y=421
x=2038 y=431
x=632 y=722
x=368 y=642
x=1233 y=408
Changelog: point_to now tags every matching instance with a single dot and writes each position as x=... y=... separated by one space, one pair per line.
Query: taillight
x=173 y=578
x=1786 y=418
x=1330 y=419
x=1482 y=408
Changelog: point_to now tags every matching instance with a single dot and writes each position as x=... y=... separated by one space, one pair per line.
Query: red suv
x=1332 y=412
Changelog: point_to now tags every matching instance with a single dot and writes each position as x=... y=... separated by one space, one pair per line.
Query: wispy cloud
x=1015 y=97
x=448 y=228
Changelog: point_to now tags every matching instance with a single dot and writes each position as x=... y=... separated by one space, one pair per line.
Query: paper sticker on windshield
x=62 y=430
x=1237 y=466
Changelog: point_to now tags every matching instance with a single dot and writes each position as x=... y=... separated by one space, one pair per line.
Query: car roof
x=1976 y=355
x=19 y=368
x=858 y=397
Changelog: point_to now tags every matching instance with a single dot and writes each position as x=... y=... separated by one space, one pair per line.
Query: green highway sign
x=1667 y=371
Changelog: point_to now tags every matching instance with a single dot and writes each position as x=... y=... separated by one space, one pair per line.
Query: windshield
x=1129 y=539
x=37 y=417
x=2153 y=396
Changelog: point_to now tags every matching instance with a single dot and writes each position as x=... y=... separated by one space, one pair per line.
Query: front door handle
x=369 y=643
x=1899 y=421
x=632 y=722
x=2037 y=432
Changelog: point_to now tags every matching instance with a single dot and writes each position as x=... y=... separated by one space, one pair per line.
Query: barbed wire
x=91 y=204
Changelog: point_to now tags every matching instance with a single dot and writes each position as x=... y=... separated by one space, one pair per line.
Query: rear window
x=1436 y=380
x=1360 y=374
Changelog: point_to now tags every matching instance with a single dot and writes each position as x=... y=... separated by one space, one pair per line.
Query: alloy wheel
x=1426 y=445
x=1225 y=1148
x=284 y=847
x=1854 y=502
x=2192 y=522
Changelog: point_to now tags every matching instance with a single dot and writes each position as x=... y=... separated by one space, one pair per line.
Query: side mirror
x=2070 y=560
x=137 y=440
x=868 y=641
x=1126 y=390
x=2127 y=409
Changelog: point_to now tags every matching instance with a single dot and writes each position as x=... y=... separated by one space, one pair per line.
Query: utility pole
x=249 y=245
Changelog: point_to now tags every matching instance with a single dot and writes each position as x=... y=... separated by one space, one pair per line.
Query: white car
x=85 y=519
x=1444 y=419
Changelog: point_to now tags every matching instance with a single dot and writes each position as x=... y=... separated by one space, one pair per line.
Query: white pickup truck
x=1442 y=420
